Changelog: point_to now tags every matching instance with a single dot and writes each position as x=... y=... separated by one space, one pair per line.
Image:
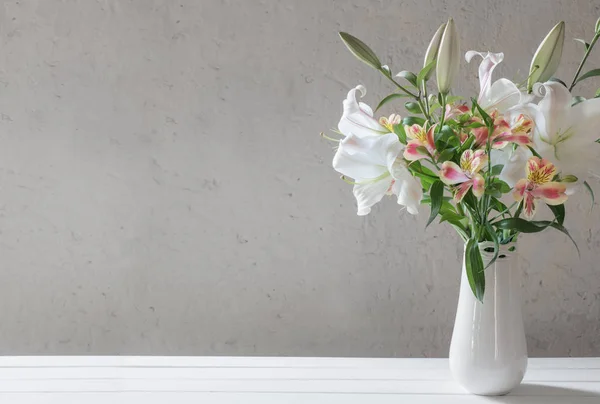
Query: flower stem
x=389 y=77
x=585 y=56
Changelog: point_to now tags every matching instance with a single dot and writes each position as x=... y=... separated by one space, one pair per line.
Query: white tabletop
x=208 y=380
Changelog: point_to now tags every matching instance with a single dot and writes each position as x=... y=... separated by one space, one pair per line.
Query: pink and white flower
x=518 y=133
x=539 y=185
x=421 y=143
x=465 y=176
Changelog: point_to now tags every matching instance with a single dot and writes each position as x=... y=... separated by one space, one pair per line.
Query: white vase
x=488 y=352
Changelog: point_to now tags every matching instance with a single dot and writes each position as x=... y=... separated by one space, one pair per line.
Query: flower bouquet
x=485 y=164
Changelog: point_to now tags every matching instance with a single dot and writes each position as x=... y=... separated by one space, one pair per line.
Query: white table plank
x=277 y=380
x=243 y=398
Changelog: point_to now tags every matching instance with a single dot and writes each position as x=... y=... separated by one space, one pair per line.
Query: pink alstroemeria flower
x=504 y=133
x=453 y=110
x=539 y=185
x=420 y=137
x=465 y=176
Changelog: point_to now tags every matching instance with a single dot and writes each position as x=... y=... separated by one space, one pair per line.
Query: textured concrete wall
x=164 y=189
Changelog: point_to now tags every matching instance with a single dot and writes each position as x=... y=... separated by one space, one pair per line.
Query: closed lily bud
x=432 y=49
x=448 y=58
x=547 y=56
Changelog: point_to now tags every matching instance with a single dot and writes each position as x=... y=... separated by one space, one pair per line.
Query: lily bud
x=432 y=49
x=547 y=56
x=448 y=58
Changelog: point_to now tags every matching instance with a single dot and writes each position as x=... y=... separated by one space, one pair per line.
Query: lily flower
x=357 y=117
x=376 y=165
x=503 y=94
x=421 y=143
x=465 y=176
x=567 y=135
x=539 y=185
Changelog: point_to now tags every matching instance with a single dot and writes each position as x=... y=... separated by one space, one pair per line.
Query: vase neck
x=505 y=253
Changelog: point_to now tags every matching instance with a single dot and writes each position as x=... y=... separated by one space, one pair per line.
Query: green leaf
x=569 y=178
x=445 y=155
x=399 y=130
x=436 y=194
x=557 y=80
x=360 y=50
x=408 y=76
x=497 y=169
x=559 y=213
x=411 y=120
x=591 y=73
x=445 y=133
x=587 y=45
x=486 y=118
x=493 y=191
x=494 y=236
x=474 y=268
x=590 y=190
x=597 y=93
x=390 y=98
x=413 y=107
x=522 y=225
x=576 y=100
x=424 y=72
x=532 y=150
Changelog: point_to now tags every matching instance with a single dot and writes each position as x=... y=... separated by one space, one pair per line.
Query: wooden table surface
x=276 y=380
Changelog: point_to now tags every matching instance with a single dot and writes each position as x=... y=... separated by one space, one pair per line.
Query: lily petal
x=357 y=118
x=407 y=188
x=486 y=68
x=369 y=193
x=502 y=95
x=554 y=107
x=366 y=157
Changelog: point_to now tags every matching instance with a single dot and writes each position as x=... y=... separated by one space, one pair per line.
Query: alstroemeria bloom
x=567 y=135
x=504 y=133
x=420 y=143
x=465 y=176
x=389 y=123
x=539 y=185
x=376 y=165
x=357 y=117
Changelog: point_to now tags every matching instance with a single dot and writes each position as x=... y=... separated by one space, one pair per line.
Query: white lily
x=372 y=156
x=567 y=135
x=376 y=165
x=503 y=94
x=357 y=118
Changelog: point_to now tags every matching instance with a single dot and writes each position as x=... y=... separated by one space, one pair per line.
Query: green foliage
x=408 y=76
x=436 y=193
x=474 y=268
x=389 y=98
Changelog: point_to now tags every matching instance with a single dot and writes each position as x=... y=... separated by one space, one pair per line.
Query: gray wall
x=164 y=189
